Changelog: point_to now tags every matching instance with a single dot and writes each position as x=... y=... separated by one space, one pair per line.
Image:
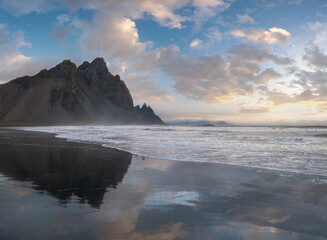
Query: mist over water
x=294 y=150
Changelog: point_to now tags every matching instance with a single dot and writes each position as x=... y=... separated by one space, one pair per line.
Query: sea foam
x=296 y=150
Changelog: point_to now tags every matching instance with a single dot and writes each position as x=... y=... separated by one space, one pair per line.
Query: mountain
x=147 y=114
x=67 y=94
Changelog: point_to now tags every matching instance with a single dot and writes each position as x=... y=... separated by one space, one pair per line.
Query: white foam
x=296 y=150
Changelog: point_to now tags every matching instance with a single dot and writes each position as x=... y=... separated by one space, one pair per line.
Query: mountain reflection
x=67 y=170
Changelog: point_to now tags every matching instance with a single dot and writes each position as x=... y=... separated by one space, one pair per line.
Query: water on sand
x=53 y=189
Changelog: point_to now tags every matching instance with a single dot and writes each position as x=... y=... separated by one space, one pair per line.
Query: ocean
x=285 y=149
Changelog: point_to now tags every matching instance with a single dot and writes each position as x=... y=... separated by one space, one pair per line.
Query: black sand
x=53 y=189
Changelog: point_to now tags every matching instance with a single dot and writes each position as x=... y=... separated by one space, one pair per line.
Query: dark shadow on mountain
x=63 y=169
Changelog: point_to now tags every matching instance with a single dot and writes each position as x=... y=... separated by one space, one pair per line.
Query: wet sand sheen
x=54 y=189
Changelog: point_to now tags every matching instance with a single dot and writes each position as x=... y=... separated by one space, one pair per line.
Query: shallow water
x=295 y=150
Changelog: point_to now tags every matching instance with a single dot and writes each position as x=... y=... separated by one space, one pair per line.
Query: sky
x=241 y=61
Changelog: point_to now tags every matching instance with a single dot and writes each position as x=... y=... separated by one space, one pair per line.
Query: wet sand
x=54 y=189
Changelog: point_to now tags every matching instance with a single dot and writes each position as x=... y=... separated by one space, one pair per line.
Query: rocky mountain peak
x=147 y=114
x=96 y=75
x=144 y=106
x=65 y=64
x=99 y=63
x=66 y=94
x=65 y=70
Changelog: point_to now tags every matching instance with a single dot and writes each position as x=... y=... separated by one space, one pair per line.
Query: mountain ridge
x=67 y=94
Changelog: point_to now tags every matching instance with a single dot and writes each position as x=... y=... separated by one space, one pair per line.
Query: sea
x=289 y=150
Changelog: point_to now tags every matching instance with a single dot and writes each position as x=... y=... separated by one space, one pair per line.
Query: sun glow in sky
x=243 y=61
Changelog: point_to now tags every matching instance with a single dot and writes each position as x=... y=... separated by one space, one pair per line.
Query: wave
x=295 y=150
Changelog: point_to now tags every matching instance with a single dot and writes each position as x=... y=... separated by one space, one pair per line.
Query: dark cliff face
x=66 y=94
x=97 y=76
x=147 y=114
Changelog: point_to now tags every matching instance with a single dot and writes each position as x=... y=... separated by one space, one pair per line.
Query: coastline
x=52 y=189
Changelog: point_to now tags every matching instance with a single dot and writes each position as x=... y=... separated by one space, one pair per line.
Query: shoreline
x=117 y=195
x=317 y=177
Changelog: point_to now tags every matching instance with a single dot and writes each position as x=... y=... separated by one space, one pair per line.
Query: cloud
x=144 y=89
x=243 y=19
x=13 y=62
x=10 y=40
x=254 y=110
x=4 y=36
x=208 y=8
x=163 y=12
x=217 y=78
x=113 y=30
x=319 y=30
x=154 y=59
x=19 y=38
x=196 y=44
x=214 y=35
x=273 y=36
x=315 y=57
x=19 y=7
x=63 y=18
x=306 y=86
x=61 y=33
x=252 y=53
x=119 y=39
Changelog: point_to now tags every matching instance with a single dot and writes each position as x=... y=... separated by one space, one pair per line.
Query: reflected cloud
x=171 y=198
x=157 y=200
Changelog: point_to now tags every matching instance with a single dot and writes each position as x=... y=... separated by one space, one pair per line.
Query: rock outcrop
x=65 y=94
x=147 y=114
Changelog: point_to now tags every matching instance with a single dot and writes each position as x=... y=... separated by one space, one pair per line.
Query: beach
x=55 y=189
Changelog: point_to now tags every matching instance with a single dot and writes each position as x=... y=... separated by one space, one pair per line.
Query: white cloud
x=214 y=36
x=144 y=89
x=19 y=38
x=208 y=8
x=273 y=36
x=218 y=78
x=315 y=57
x=13 y=63
x=63 y=18
x=4 y=36
x=244 y=19
x=163 y=12
x=118 y=39
x=19 y=7
x=319 y=35
x=196 y=44
x=308 y=82
x=249 y=52
x=154 y=59
x=255 y=110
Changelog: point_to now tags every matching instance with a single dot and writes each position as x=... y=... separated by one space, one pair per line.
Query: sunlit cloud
x=14 y=63
x=119 y=39
x=273 y=36
x=144 y=89
x=196 y=44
